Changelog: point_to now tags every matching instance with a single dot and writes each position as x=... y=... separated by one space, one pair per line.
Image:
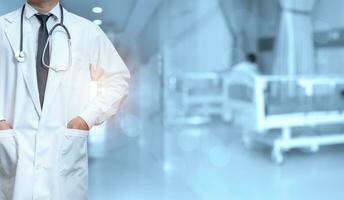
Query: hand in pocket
x=4 y=125
x=79 y=124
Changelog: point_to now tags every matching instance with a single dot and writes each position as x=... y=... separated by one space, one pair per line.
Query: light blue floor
x=209 y=163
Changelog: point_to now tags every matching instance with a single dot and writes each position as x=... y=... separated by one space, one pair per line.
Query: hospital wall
x=7 y=5
x=180 y=37
x=200 y=35
x=194 y=36
x=326 y=16
x=197 y=35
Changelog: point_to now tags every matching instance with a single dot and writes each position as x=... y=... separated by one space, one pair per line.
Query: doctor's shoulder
x=4 y=21
x=2 y=29
x=11 y=15
x=86 y=25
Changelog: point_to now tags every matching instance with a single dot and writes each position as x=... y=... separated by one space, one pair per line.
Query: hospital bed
x=200 y=95
x=287 y=112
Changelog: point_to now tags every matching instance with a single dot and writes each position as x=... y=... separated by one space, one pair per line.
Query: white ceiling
x=115 y=16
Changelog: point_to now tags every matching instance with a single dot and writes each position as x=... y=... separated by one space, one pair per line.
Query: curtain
x=294 y=47
x=294 y=50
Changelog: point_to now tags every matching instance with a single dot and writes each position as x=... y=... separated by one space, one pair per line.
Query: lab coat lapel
x=55 y=77
x=54 y=80
x=27 y=68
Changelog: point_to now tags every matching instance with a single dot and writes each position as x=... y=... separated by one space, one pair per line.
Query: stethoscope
x=21 y=55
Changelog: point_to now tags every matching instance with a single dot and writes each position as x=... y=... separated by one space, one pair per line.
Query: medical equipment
x=21 y=55
x=200 y=96
x=285 y=112
x=312 y=118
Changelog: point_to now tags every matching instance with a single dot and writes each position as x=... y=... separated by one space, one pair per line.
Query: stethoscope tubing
x=21 y=54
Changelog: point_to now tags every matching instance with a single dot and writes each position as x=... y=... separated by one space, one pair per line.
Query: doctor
x=45 y=106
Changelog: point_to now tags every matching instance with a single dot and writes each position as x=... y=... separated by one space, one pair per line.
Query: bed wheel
x=277 y=155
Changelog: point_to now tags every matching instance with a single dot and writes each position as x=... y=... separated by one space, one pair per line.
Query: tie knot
x=43 y=18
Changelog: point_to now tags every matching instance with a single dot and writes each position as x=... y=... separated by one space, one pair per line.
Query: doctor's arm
x=112 y=78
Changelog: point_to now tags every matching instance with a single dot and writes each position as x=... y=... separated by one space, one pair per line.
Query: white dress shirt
x=30 y=13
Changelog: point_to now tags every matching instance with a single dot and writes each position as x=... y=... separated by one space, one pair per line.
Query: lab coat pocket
x=8 y=157
x=74 y=153
x=74 y=165
x=8 y=154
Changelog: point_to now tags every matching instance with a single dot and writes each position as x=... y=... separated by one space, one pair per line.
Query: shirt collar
x=31 y=11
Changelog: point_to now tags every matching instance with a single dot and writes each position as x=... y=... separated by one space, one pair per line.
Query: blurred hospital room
x=229 y=100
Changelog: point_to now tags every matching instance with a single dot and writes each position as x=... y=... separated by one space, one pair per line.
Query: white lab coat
x=40 y=158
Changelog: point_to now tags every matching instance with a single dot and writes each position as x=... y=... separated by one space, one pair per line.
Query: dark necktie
x=41 y=70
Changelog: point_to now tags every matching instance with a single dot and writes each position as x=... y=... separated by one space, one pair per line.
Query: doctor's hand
x=78 y=123
x=4 y=125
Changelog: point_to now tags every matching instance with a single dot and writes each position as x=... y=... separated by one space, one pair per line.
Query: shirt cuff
x=89 y=117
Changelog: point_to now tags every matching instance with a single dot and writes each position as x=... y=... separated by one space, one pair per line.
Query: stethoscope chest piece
x=20 y=56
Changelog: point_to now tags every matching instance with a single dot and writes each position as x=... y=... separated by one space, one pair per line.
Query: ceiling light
x=98 y=22
x=97 y=9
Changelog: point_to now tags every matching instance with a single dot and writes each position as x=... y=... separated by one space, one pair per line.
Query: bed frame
x=209 y=101
x=285 y=131
x=251 y=111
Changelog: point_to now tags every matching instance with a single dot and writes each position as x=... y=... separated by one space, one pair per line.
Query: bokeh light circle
x=131 y=125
